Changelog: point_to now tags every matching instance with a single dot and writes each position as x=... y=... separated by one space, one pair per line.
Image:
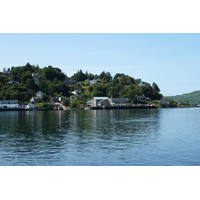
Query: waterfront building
x=96 y=100
x=9 y=104
x=118 y=101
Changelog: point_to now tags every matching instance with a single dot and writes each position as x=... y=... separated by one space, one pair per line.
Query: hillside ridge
x=192 y=97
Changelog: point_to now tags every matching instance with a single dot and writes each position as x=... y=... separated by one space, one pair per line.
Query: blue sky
x=170 y=60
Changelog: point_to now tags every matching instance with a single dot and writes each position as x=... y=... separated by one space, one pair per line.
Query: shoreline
x=16 y=109
x=92 y=108
x=122 y=107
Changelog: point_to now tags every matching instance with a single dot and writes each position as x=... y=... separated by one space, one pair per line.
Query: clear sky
x=170 y=60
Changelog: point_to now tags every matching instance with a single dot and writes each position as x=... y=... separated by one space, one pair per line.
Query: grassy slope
x=193 y=97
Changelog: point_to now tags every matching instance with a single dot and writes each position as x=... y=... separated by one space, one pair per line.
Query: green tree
x=74 y=103
x=51 y=73
x=155 y=86
x=79 y=76
x=66 y=102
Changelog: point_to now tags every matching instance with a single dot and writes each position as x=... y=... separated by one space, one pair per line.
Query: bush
x=66 y=102
x=74 y=104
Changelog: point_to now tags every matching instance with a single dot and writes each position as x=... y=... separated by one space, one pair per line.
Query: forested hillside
x=19 y=83
x=192 y=98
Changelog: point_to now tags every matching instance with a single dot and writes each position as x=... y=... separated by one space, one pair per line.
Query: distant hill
x=193 y=97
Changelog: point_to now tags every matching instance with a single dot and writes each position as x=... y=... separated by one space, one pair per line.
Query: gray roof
x=90 y=101
x=100 y=98
x=120 y=99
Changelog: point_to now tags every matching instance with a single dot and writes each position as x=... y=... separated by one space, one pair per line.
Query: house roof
x=96 y=79
x=119 y=99
x=67 y=81
x=99 y=98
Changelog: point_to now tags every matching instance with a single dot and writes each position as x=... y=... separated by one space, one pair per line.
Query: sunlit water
x=157 y=137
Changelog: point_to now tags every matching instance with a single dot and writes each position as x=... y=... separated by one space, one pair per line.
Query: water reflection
x=75 y=137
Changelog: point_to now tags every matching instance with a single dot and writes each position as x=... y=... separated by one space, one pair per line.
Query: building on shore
x=96 y=100
x=119 y=101
x=107 y=102
x=9 y=104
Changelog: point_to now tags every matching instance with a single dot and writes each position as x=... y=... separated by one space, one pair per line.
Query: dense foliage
x=23 y=88
x=123 y=86
x=19 y=84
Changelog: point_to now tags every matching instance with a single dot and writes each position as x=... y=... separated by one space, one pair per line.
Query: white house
x=94 y=81
x=39 y=94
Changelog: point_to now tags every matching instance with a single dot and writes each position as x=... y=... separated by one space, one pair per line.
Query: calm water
x=159 y=137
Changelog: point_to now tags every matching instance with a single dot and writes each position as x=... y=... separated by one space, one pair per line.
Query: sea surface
x=152 y=137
